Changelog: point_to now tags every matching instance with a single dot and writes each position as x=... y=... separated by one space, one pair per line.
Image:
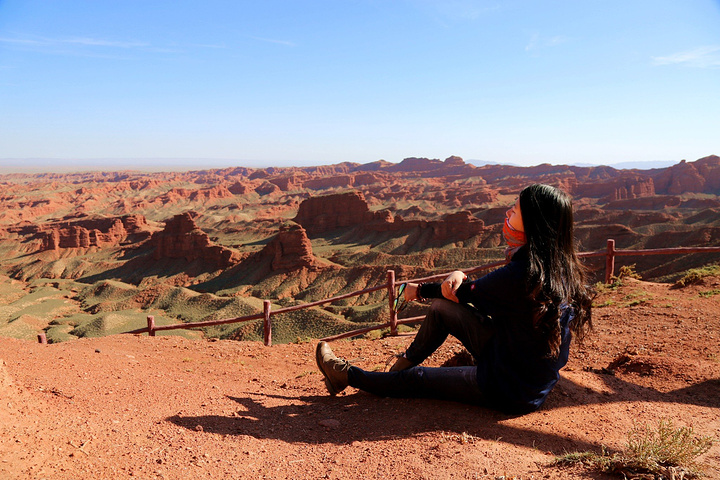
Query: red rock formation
x=289 y=182
x=453 y=227
x=594 y=237
x=239 y=188
x=657 y=202
x=627 y=186
x=212 y=193
x=290 y=249
x=414 y=164
x=267 y=188
x=479 y=197
x=134 y=223
x=701 y=176
x=454 y=161
x=182 y=238
x=348 y=210
x=323 y=183
x=457 y=226
x=330 y=212
x=370 y=178
x=85 y=233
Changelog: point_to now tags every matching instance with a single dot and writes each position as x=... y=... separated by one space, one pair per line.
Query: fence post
x=267 y=325
x=610 y=260
x=151 y=325
x=391 y=300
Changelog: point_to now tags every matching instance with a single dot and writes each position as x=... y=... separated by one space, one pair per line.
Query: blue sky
x=260 y=83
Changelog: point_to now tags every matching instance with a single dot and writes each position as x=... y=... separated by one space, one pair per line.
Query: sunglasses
x=400 y=303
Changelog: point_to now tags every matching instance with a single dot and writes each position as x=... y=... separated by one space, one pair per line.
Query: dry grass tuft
x=463 y=438
x=664 y=452
x=695 y=276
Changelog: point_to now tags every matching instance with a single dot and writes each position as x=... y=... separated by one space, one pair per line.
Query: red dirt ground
x=165 y=407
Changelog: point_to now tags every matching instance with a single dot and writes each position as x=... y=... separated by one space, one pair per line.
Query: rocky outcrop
x=454 y=227
x=424 y=167
x=351 y=211
x=134 y=223
x=211 y=193
x=701 y=176
x=290 y=249
x=267 y=188
x=457 y=226
x=370 y=178
x=623 y=188
x=205 y=194
x=182 y=238
x=589 y=237
x=336 y=181
x=287 y=183
x=239 y=188
x=300 y=180
x=331 y=212
x=100 y=232
x=657 y=202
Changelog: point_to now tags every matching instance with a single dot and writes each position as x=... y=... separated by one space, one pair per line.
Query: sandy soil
x=165 y=407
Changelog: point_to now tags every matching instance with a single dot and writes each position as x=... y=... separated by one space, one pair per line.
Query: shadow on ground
x=364 y=417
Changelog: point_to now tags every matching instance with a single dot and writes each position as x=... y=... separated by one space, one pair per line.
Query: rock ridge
x=181 y=238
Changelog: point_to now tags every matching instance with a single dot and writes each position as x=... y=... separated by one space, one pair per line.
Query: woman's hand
x=450 y=285
x=411 y=292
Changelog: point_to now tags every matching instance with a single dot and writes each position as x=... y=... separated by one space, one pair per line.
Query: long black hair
x=555 y=274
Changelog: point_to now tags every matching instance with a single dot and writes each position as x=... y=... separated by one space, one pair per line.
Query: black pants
x=449 y=383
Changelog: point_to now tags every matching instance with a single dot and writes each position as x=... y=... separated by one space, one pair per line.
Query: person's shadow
x=344 y=419
x=361 y=416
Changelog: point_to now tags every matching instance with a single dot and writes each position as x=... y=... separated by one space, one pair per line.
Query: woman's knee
x=440 y=305
x=447 y=309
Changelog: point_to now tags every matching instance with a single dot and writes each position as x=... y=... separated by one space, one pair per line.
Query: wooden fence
x=610 y=253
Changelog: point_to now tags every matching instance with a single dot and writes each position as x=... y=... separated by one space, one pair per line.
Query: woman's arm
x=447 y=289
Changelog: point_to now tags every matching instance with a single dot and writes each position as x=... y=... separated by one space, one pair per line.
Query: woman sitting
x=517 y=321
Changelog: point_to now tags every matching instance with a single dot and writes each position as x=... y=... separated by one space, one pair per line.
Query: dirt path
x=166 y=407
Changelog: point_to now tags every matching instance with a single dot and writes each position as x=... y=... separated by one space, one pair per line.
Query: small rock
x=329 y=423
x=198 y=428
x=97 y=350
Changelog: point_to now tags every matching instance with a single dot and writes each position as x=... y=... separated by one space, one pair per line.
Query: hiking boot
x=333 y=368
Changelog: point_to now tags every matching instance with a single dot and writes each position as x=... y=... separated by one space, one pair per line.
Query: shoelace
x=394 y=357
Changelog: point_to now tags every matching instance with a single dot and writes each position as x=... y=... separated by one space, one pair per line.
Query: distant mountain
x=68 y=165
x=480 y=163
x=647 y=165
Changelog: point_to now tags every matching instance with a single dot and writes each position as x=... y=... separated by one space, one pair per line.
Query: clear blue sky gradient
x=272 y=83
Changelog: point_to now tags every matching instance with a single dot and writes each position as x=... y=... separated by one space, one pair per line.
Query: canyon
x=237 y=236
x=86 y=257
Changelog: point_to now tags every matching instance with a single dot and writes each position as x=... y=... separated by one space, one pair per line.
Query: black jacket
x=515 y=370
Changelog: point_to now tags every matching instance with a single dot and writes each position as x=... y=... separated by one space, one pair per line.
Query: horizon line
x=188 y=164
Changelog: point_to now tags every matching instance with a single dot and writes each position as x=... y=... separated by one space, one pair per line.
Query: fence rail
x=610 y=253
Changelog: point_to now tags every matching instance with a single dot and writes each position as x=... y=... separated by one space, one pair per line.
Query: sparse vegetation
x=628 y=271
x=606 y=303
x=663 y=452
x=709 y=293
x=463 y=438
x=616 y=281
x=695 y=276
x=638 y=298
